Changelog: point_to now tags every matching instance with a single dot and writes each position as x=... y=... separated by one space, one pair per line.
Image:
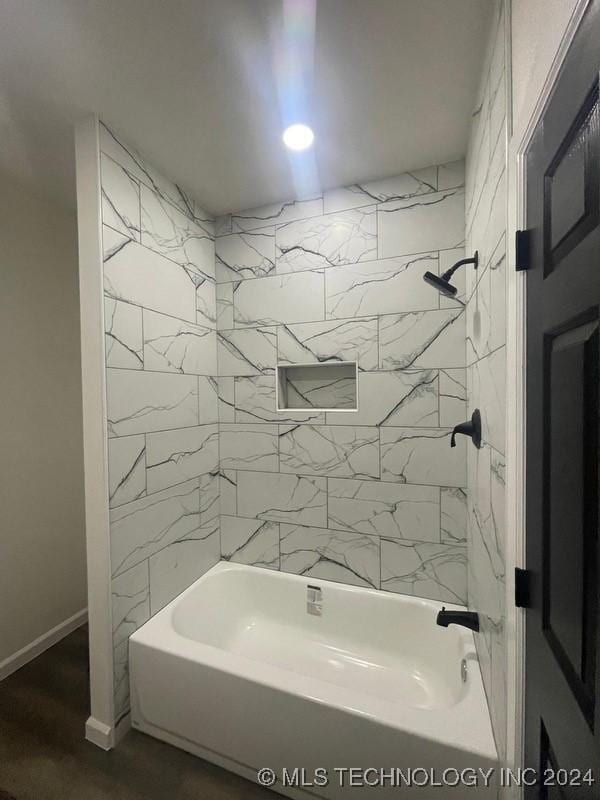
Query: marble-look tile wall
x=373 y=497
x=485 y=321
x=162 y=403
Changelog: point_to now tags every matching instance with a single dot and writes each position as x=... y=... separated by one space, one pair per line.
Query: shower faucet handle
x=471 y=427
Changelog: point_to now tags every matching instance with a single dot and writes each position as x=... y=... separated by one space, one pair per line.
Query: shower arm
x=450 y=272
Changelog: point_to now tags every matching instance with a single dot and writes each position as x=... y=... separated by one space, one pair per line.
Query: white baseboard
x=104 y=736
x=99 y=734
x=31 y=651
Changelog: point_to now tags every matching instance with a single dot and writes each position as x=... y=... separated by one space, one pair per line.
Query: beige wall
x=42 y=534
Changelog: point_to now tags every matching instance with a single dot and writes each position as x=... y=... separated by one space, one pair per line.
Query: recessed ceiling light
x=298 y=137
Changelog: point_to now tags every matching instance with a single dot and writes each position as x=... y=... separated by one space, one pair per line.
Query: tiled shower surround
x=202 y=466
x=486 y=370
x=373 y=497
x=161 y=360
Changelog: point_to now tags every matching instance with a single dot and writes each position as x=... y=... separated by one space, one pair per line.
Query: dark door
x=563 y=323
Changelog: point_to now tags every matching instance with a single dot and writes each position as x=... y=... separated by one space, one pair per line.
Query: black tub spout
x=468 y=619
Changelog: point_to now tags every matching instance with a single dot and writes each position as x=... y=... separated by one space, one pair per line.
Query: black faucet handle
x=471 y=428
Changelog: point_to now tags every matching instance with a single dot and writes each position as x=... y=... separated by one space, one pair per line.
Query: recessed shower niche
x=324 y=387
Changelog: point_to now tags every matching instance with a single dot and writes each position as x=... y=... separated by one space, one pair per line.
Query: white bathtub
x=237 y=671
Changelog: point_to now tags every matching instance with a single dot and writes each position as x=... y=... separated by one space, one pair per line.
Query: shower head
x=442 y=282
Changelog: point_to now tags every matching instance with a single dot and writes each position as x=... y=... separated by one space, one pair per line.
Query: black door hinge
x=522 y=588
x=522 y=250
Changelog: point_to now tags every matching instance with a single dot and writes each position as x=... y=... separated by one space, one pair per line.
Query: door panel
x=569 y=542
x=563 y=320
x=571 y=186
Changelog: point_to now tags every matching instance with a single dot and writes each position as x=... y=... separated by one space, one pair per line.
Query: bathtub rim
x=437 y=724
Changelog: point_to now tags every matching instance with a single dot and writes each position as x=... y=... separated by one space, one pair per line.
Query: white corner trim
x=99 y=734
x=35 y=648
x=95 y=449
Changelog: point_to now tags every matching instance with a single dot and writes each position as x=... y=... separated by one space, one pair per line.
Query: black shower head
x=441 y=284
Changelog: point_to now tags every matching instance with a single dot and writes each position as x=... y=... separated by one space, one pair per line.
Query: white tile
x=250 y=541
x=281 y=498
x=424 y=456
x=137 y=275
x=112 y=144
x=126 y=469
x=130 y=610
x=250 y=447
x=225 y=388
x=453 y=397
x=418 y=225
x=487 y=391
x=223 y=225
x=325 y=554
x=498 y=500
x=172 y=234
x=497 y=270
x=386 y=286
x=172 y=345
x=208 y=400
x=422 y=339
x=130 y=601
x=120 y=198
x=245 y=255
x=135 y=165
x=275 y=214
x=488 y=222
x=279 y=299
x=255 y=401
x=329 y=450
x=497 y=77
x=423 y=569
x=123 y=335
x=479 y=484
x=210 y=502
x=176 y=456
x=385 y=509
x=176 y=567
x=399 y=187
x=228 y=491
x=142 y=528
x=318 y=342
x=451 y=175
x=327 y=241
x=206 y=300
x=454 y=516
x=247 y=351
x=403 y=397
x=224 y=300
x=138 y=402
x=478 y=320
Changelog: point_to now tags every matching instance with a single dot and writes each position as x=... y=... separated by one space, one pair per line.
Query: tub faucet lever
x=468 y=619
x=471 y=428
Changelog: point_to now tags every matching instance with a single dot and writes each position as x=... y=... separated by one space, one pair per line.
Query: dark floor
x=43 y=755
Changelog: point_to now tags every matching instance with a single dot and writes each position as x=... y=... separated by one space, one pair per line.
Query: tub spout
x=468 y=619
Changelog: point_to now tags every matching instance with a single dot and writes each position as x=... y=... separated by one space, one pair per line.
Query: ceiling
x=204 y=87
